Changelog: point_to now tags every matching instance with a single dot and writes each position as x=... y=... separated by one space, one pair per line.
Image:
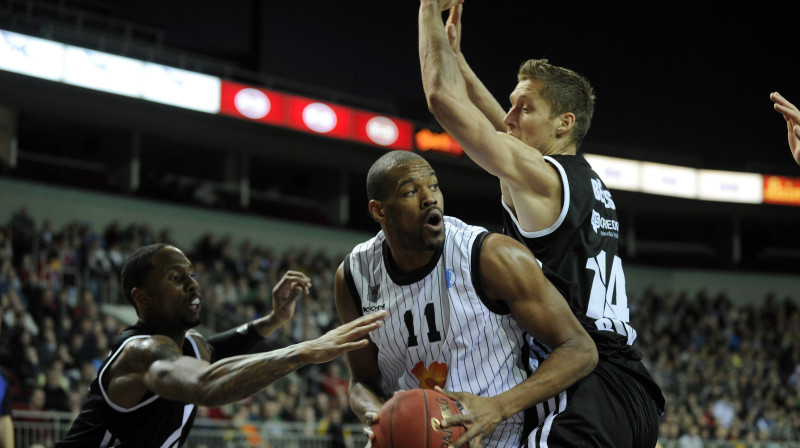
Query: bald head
x=380 y=172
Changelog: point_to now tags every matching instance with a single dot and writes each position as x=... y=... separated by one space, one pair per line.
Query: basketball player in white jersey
x=460 y=302
x=792 y=116
x=556 y=205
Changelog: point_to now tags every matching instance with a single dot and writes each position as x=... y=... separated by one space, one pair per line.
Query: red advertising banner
x=316 y=117
x=781 y=190
x=389 y=132
x=242 y=101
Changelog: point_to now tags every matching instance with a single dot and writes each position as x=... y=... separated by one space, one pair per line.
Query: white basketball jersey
x=439 y=331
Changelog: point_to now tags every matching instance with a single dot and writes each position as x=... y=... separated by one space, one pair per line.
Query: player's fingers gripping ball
x=412 y=419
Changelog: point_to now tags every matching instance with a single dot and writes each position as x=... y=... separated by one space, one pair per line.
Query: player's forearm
x=481 y=97
x=441 y=76
x=225 y=381
x=566 y=365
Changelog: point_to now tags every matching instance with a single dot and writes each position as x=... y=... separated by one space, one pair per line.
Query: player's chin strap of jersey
x=236 y=341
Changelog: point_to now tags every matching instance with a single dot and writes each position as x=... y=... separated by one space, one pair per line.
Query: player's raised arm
x=792 y=116
x=501 y=154
x=480 y=96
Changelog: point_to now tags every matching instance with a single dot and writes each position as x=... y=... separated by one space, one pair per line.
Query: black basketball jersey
x=579 y=256
x=153 y=422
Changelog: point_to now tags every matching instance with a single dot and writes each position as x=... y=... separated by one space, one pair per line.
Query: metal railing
x=37 y=429
x=42 y=429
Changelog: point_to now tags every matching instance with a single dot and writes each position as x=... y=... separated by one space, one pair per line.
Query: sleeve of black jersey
x=497 y=307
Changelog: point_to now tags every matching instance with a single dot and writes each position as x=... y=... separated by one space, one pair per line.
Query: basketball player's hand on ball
x=291 y=286
x=481 y=416
x=371 y=419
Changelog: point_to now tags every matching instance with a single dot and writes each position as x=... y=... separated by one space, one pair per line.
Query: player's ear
x=565 y=124
x=140 y=298
x=376 y=210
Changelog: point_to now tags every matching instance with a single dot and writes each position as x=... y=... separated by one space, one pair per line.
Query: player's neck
x=406 y=261
x=561 y=147
x=177 y=335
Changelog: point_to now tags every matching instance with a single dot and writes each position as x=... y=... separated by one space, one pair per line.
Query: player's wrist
x=302 y=354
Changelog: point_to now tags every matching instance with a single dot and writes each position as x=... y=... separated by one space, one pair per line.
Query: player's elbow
x=586 y=351
x=440 y=101
x=187 y=387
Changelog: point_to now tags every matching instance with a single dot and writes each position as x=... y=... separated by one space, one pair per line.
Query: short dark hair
x=565 y=91
x=137 y=268
x=379 y=171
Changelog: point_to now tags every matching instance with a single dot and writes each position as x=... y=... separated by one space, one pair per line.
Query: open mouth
x=195 y=305
x=433 y=220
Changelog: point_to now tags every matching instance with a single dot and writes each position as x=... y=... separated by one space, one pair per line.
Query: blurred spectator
x=6 y=424
x=36 y=402
x=47 y=346
x=23 y=234
x=333 y=384
x=56 y=388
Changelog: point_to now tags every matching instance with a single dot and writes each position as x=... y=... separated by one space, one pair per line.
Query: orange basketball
x=411 y=419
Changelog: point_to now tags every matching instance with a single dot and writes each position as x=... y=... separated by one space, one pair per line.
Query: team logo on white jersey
x=374 y=293
x=450 y=277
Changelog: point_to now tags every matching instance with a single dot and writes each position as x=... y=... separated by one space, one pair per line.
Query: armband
x=236 y=341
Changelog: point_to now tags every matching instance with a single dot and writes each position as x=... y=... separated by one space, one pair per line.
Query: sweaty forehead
x=410 y=170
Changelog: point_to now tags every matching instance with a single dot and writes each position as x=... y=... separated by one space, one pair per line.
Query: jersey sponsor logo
x=374 y=293
x=372 y=309
x=602 y=195
x=603 y=226
x=430 y=376
x=450 y=277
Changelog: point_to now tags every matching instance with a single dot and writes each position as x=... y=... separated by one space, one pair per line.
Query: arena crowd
x=731 y=372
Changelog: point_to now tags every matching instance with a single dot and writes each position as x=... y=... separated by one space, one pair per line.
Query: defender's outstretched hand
x=342 y=339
